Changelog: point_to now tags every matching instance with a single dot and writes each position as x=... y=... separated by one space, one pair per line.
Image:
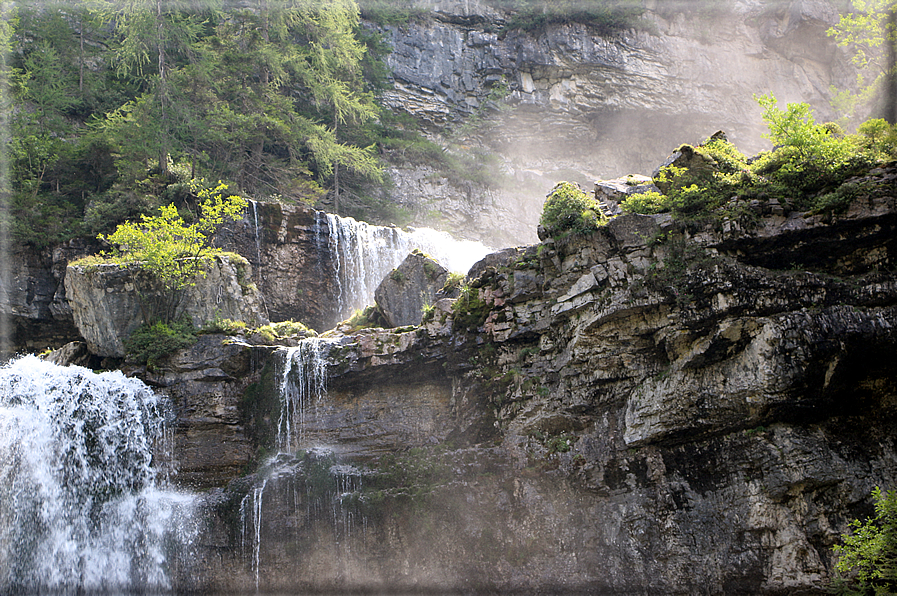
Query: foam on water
x=83 y=503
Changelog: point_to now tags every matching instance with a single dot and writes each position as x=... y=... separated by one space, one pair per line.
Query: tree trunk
x=163 y=124
x=890 y=99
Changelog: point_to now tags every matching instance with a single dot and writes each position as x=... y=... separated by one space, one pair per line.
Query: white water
x=302 y=382
x=83 y=506
x=365 y=254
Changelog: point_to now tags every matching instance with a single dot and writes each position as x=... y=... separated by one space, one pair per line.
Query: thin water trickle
x=5 y=196
x=302 y=374
x=257 y=494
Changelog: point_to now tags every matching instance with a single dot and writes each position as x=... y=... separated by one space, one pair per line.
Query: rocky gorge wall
x=649 y=409
x=569 y=102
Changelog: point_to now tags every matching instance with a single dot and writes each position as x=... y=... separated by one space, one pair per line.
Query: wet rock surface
x=608 y=414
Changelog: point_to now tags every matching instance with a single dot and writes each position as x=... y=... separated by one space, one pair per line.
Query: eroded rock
x=109 y=302
x=403 y=294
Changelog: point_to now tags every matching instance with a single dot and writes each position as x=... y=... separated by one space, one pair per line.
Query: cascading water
x=82 y=503
x=302 y=374
x=362 y=255
x=305 y=478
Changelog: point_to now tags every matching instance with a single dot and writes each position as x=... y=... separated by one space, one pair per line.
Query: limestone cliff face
x=645 y=410
x=582 y=105
x=109 y=302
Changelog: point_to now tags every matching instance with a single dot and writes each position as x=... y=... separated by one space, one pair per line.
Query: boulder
x=402 y=294
x=109 y=302
x=698 y=165
x=610 y=193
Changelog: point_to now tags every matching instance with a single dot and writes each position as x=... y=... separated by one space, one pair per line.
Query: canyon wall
x=649 y=409
x=567 y=102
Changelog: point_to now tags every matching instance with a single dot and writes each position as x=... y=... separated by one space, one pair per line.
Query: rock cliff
x=651 y=409
x=568 y=102
x=109 y=302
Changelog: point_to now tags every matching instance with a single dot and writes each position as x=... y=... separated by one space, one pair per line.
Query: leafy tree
x=171 y=250
x=809 y=157
x=868 y=555
x=870 y=30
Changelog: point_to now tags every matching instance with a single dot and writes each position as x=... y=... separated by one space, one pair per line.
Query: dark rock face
x=610 y=415
x=403 y=294
x=288 y=248
x=208 y=385
x=34 y=304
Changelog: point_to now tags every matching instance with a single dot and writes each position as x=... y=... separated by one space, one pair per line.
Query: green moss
x=259 y=409
x=469 y=310
x=569 y=211
x=363 y=319
x=151 y=344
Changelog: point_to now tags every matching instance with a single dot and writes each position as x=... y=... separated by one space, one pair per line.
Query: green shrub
x=646 y=203
x=569 y=210
x=274 y=331
x=808 y=168
x=453 y=282
x=868 y=555
x=150 y=344
x=226 y=326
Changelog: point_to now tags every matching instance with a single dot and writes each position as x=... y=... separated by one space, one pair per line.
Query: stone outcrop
x=33 y=303
x=610 y=193
x=701 y=411
x=403 y=294
x=574 y=103
x=109 y=302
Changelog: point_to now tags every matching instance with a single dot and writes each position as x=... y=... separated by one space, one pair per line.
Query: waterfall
x=302 y=374
x=362 y=255
x=83 y=506
x=258 y=241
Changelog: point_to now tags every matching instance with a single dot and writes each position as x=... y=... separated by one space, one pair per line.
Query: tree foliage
x=867 y=557
x=118 y=104
x=870 y=31
x=170 y=249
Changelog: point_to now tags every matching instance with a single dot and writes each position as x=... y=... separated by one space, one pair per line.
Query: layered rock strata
x=649 y=409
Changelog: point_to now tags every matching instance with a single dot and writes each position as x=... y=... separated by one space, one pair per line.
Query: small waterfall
x=258 y=252
x=258 y=242
x=302 y=374
x=257 y=494
x=82 y=502
x=362 y=255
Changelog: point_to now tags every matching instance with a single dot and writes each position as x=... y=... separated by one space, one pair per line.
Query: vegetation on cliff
x=868 y=556
x=569 y=211
x=806 y=170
